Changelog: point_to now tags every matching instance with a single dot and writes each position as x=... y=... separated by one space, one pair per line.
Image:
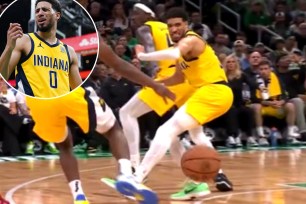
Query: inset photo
x=48 y=47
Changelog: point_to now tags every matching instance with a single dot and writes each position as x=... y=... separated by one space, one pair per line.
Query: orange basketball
x=201 y=163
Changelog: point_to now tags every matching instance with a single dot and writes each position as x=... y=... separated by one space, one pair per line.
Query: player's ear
x=58 y=16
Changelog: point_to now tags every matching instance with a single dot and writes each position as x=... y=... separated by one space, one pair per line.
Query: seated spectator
x=293 y=78
x=241 y=54
x=290 y=44
x=131 y=40
x=122 y=40
x=299 y=8
x=300 y=18
x=240 y=115
x=280 y=24
x=121 y=21
x=196 y=19
x=120 y=51
x=300 y=36
x=220 y=45
x=10 y=122
x=272 y=101
x=252 y=71
x=116 y=91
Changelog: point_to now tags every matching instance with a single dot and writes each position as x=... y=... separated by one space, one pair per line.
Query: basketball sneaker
x=80 y=199
x=223 y=184
x=191 y=190
x=127 y=186
x=112 y=184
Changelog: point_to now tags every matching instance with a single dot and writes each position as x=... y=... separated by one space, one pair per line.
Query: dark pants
x=10 y=128
x=235 y=119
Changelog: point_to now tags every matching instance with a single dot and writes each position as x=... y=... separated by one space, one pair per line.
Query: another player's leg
x=162 y=141
x=69 y=165
x=129 y=114
x=194 y=189
x=198 y=137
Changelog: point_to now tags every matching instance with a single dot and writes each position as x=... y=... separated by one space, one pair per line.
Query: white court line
x=10 y=193
x=288 y=185
x=249 y=192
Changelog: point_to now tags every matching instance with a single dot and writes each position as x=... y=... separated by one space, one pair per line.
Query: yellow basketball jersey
x=204 y=69
x=44 y=72
x=162 y=40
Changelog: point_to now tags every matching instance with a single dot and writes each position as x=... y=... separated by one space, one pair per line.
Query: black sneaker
x=222 y=183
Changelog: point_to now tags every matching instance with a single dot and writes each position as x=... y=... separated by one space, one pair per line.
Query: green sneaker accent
x=191 y=190
x=30 y=148
x=109 y=182
x=50 y=148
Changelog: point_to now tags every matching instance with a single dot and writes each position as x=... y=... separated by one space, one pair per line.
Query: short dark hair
x=55 y=4
x=177 y=12
x=264 y=62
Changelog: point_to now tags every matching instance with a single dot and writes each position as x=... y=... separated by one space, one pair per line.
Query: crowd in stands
x=267 y=75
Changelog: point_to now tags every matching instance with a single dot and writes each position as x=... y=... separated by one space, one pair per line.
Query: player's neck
x=49 y=37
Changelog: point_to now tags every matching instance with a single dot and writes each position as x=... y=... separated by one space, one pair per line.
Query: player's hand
x=14 y=32
x=164 y=92
x=139 y=49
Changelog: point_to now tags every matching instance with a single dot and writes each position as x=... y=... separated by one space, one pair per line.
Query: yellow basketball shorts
x=209 y=102
x=274 y=112
x=81 y=105
x=182 y=91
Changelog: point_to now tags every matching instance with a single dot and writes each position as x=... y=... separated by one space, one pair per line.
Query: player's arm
x=190 y=46
x=13 y=50
x=74 y=74
x=177 y=78
x=130 y=72
x=144 y=36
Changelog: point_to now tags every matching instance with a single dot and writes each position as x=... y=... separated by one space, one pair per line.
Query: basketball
x=200 y=163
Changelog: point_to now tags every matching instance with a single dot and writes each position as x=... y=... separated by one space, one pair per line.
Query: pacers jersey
x=44 y=72
x=162 y=41
x=204 y=69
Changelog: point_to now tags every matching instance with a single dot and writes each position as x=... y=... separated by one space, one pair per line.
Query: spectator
x=120 y=51
x=240 y=53
x=10 y=122
x=196 y=19
x=243 y=90
x=131 y=40
x=123 y=41
x=121 y=21
x=252 y=71
x=220 y=45
x=290 y=44
x=280 y=24
x=300 y=18
x=301 y=36
x=293 y=78
x=276 y=105
x=160 y=11
x=300 y=8
x=116 y=91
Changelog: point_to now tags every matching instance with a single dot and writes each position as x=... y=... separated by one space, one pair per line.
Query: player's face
x=45 y=16
x=138 y=18
x=177 y=28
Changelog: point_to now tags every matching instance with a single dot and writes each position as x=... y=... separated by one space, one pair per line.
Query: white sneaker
x=238 y=142
x=230 y=142
x=127 y=186
x=293 y=140
x=294 y=132
x=252 y=142
x=263 y=141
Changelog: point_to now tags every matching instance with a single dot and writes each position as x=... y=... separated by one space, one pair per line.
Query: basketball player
x=45 y=67
x=154 y=35
x=196 y=62
x=90 y=113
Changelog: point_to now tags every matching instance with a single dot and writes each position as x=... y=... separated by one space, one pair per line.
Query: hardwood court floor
x=259 y=177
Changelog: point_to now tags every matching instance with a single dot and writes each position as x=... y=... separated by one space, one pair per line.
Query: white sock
x=220 y=171
x=177 y=150
x=125 y=167
x=129 y=113
x=291 y=129
x=260 y=131
x=76 y=188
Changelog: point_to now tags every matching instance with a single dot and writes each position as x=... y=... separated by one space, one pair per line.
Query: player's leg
x=129 y=114
x=70 y=168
